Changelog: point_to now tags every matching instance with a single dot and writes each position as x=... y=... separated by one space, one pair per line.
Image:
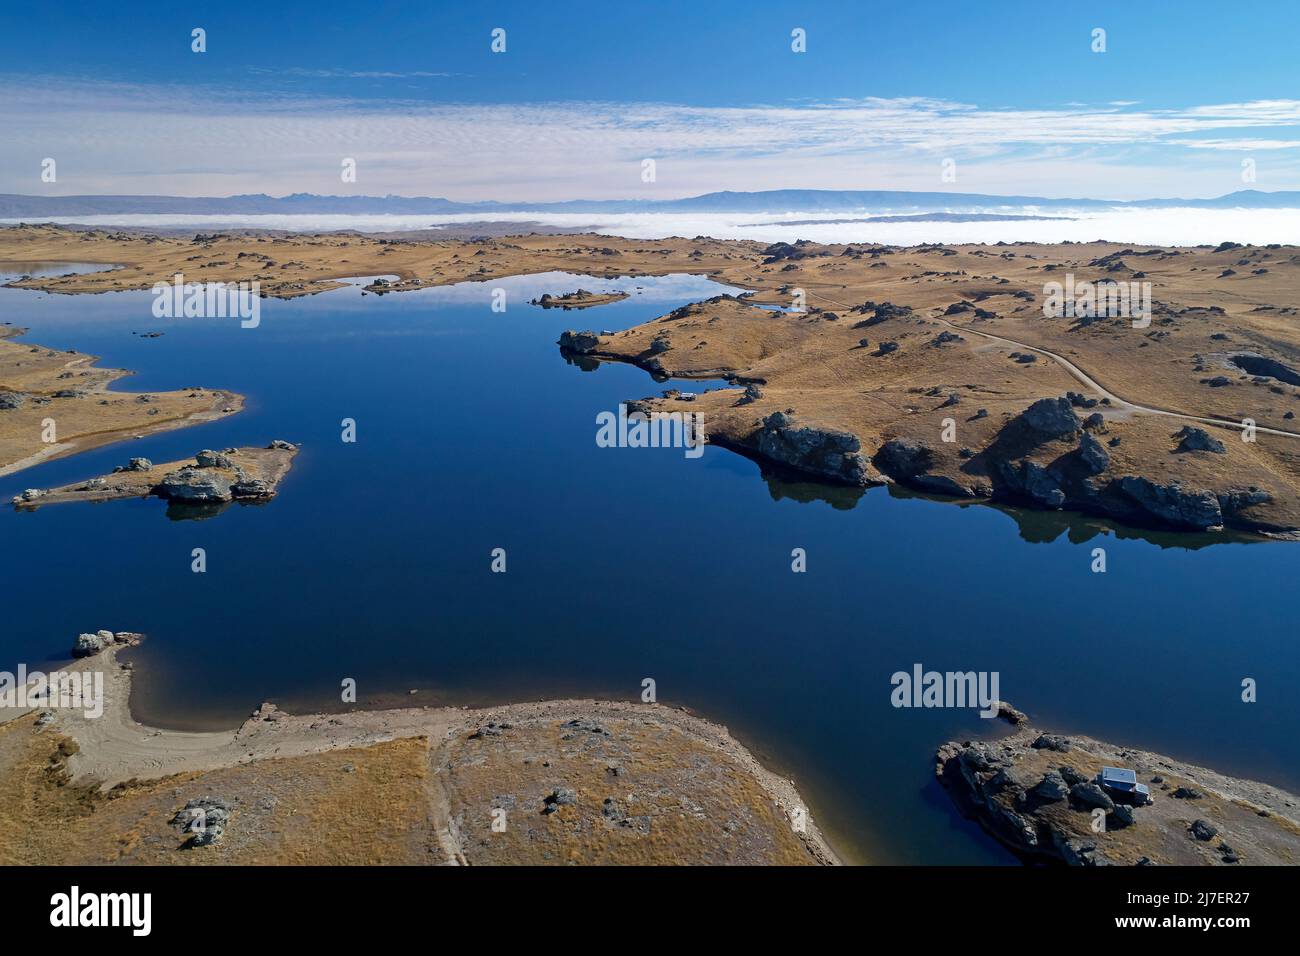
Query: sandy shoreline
x=115 y=753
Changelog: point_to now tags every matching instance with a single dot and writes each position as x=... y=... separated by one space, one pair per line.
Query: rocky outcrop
x=1051 y=418
x=904 y=458
x=578 y=343
x=1171 y=504
x=88 y=645
x=1040 y=795
x=203 y=819
x=195 y=485
x=1092 y=457
x=1198 y=439
x=830 y=454
x=1028 y=479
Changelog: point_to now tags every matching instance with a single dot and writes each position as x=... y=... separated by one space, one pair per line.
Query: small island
x=581 y=299
x=209 y=478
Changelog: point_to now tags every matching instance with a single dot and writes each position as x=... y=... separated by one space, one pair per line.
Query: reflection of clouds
x=127 y=138
x=669 y=288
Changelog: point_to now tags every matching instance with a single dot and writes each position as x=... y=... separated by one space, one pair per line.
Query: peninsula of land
x=553 y=782
x=1039 y=794
x=938 y=367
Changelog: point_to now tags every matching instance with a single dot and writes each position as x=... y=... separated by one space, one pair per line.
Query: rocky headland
x=1038 y=794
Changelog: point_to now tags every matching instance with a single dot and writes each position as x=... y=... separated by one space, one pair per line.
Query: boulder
x=1198 y=439
x=194 y=485
x=251 y=488
x=88 y=645
x=578 y=343
x=211 y=459
x=1052 y=742
x=1091 y=455
x=559 y=797
x=904 y=457
x=1089 y=795
x=1032 y=481
x=1119 y=818
x=10 y=401
x=1203 y=830
x=1051 y=789
x=206 y=818
x=1235 y=500
x=1052 y=417
x=819 y=451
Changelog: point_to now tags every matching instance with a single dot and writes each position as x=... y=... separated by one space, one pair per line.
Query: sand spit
x=1037 y=793
x=574 y=781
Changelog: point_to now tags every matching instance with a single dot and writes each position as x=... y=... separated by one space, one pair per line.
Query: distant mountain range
x=14 y=206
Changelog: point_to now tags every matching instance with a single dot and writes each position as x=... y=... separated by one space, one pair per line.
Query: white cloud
x=132 y=139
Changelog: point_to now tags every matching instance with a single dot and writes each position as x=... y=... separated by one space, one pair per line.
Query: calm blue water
x=474 y=433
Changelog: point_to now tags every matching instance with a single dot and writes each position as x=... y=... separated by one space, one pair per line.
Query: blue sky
x=1011 y=92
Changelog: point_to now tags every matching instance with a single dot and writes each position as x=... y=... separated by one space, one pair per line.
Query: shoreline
x=115 y=751
x=951 y=327
x=132 y=413
x=1035 y=792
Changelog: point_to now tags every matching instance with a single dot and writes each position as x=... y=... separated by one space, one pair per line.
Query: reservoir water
x=474 y=433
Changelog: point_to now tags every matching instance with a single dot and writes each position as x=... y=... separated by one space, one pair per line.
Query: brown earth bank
x=1038 y=794
x=209 y=478
x=933 y=366
x=554 y=782
x=54 y=404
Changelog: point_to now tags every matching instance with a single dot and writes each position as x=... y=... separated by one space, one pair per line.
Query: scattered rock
x=1090 y=795
x=1203 y=830
x=206 y=818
